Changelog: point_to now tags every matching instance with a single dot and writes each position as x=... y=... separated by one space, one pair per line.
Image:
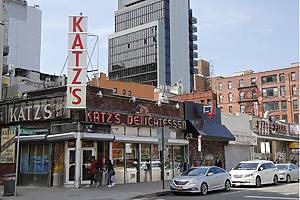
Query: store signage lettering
x=273 y=127
x=7 y=153
x=36 y=112
x=132 y=120
x=77 y=62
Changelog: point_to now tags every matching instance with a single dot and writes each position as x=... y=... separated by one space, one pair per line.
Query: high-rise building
x=22 y=35
x=153 y=43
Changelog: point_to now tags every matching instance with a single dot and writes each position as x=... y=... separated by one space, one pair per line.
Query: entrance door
x=86 y=155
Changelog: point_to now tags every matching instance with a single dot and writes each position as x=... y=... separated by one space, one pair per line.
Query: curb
x=158 y=194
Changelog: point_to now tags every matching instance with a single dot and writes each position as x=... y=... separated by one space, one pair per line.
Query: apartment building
x=273 y=92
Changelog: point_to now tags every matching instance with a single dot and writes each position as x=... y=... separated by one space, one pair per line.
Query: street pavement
x=118 y=192
x=270 y=192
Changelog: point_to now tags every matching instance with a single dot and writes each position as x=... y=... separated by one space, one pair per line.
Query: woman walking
x=111 y=172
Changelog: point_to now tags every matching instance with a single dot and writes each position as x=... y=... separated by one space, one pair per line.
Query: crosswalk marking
x=263 y=197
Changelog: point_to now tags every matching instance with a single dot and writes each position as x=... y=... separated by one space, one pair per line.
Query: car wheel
x=275 y=180
x=288 y=179
x=204 y=188
x=227 y=185
x=257 y=182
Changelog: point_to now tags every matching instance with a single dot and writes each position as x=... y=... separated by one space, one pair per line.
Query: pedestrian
x=99 y=169
x=92 y=171
x=111 y=173
x=147 y=170
x=185 y=166
x=277 y=161
x=218 y=163
x=294 y=161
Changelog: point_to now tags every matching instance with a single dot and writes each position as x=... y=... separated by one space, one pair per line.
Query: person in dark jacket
x=218 y=163
x=111 y=173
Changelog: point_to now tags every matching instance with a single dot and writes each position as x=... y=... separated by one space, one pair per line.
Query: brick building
x=125 y=88
x=204 y=98
x=275 y=91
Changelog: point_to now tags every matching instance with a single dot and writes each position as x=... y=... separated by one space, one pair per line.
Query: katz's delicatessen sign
x=77 y=62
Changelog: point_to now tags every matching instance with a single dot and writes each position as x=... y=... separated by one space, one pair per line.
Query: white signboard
x=7 y=154
x=199 y=143
x=77 y=62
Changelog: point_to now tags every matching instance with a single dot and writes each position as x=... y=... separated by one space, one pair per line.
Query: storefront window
x=118 y=161
x=155 y=163
x=145 y=163
x=34 y=158
x=178 y=159
x=132 y=163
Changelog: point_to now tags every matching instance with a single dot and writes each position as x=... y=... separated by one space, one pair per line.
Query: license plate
x=179 y=188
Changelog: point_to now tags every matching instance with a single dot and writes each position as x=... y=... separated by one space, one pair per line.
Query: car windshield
x=246 y=166
x=196 y=171
x=282 y=167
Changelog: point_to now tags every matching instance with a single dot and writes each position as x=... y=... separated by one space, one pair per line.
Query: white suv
x=255 y=172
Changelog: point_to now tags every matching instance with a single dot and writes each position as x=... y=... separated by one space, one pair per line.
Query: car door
x=295 y=172
x=263 y=171
x=211 y=179
x=273 y=171
x=221 y=177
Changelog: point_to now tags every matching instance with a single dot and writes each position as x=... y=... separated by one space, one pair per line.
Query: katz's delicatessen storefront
x=122 y=129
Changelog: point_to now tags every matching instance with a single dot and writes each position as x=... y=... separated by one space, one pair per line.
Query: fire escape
x=249 y=99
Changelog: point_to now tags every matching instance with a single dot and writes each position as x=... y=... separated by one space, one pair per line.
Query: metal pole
x=77 y=154
x=163 y=158
x=17 y=159
x=1 y=42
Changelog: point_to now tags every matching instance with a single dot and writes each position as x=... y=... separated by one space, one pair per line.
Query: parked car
x=288 y=172
x=255 y=172
x=201 y=180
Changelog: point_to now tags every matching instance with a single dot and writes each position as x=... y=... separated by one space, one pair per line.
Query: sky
x=233 y=35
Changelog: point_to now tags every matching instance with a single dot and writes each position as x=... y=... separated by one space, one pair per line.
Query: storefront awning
x=212 y=131
x=31 y=138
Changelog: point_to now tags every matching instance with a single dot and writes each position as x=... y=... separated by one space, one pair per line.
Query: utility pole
x=1 y=42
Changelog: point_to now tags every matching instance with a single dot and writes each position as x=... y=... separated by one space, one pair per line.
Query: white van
x=255 y=172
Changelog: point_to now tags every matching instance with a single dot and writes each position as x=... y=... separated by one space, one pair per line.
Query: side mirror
x=210 y=174
x=260 y=169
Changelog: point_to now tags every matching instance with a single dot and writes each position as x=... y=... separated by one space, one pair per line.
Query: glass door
x=87 y=154
x=71 y=166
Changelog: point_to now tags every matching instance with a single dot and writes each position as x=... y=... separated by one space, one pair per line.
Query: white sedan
x=288 y=172
x=202 y=180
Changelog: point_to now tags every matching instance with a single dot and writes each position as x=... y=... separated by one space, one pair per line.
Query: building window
x=241 y=83
x=230 y=98
x=293 y=76
x=284 y=117
x=253 y=81
x=124 y=92
x=115 y=90
x=128 y=46
x=145 y=41
x=295 y=104
x=221 y=98
x=229 y=85
x=34 y=158
x=294 y=90
x=271 y=106
x=208 y=102
x=281 y=78
x=242 y=109
x=129 y=93
x=296 y=118
x=230 y=109
x=282 y=91
x=220 y=86
x=270 y=92
x=269 y=79
x=254 y=95
x=283 y=105
x=242 y=94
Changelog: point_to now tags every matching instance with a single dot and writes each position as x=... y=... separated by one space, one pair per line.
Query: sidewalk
x=119 y=192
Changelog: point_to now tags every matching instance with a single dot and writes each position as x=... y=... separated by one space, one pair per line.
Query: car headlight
x=248 y=175
x=193 y=182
